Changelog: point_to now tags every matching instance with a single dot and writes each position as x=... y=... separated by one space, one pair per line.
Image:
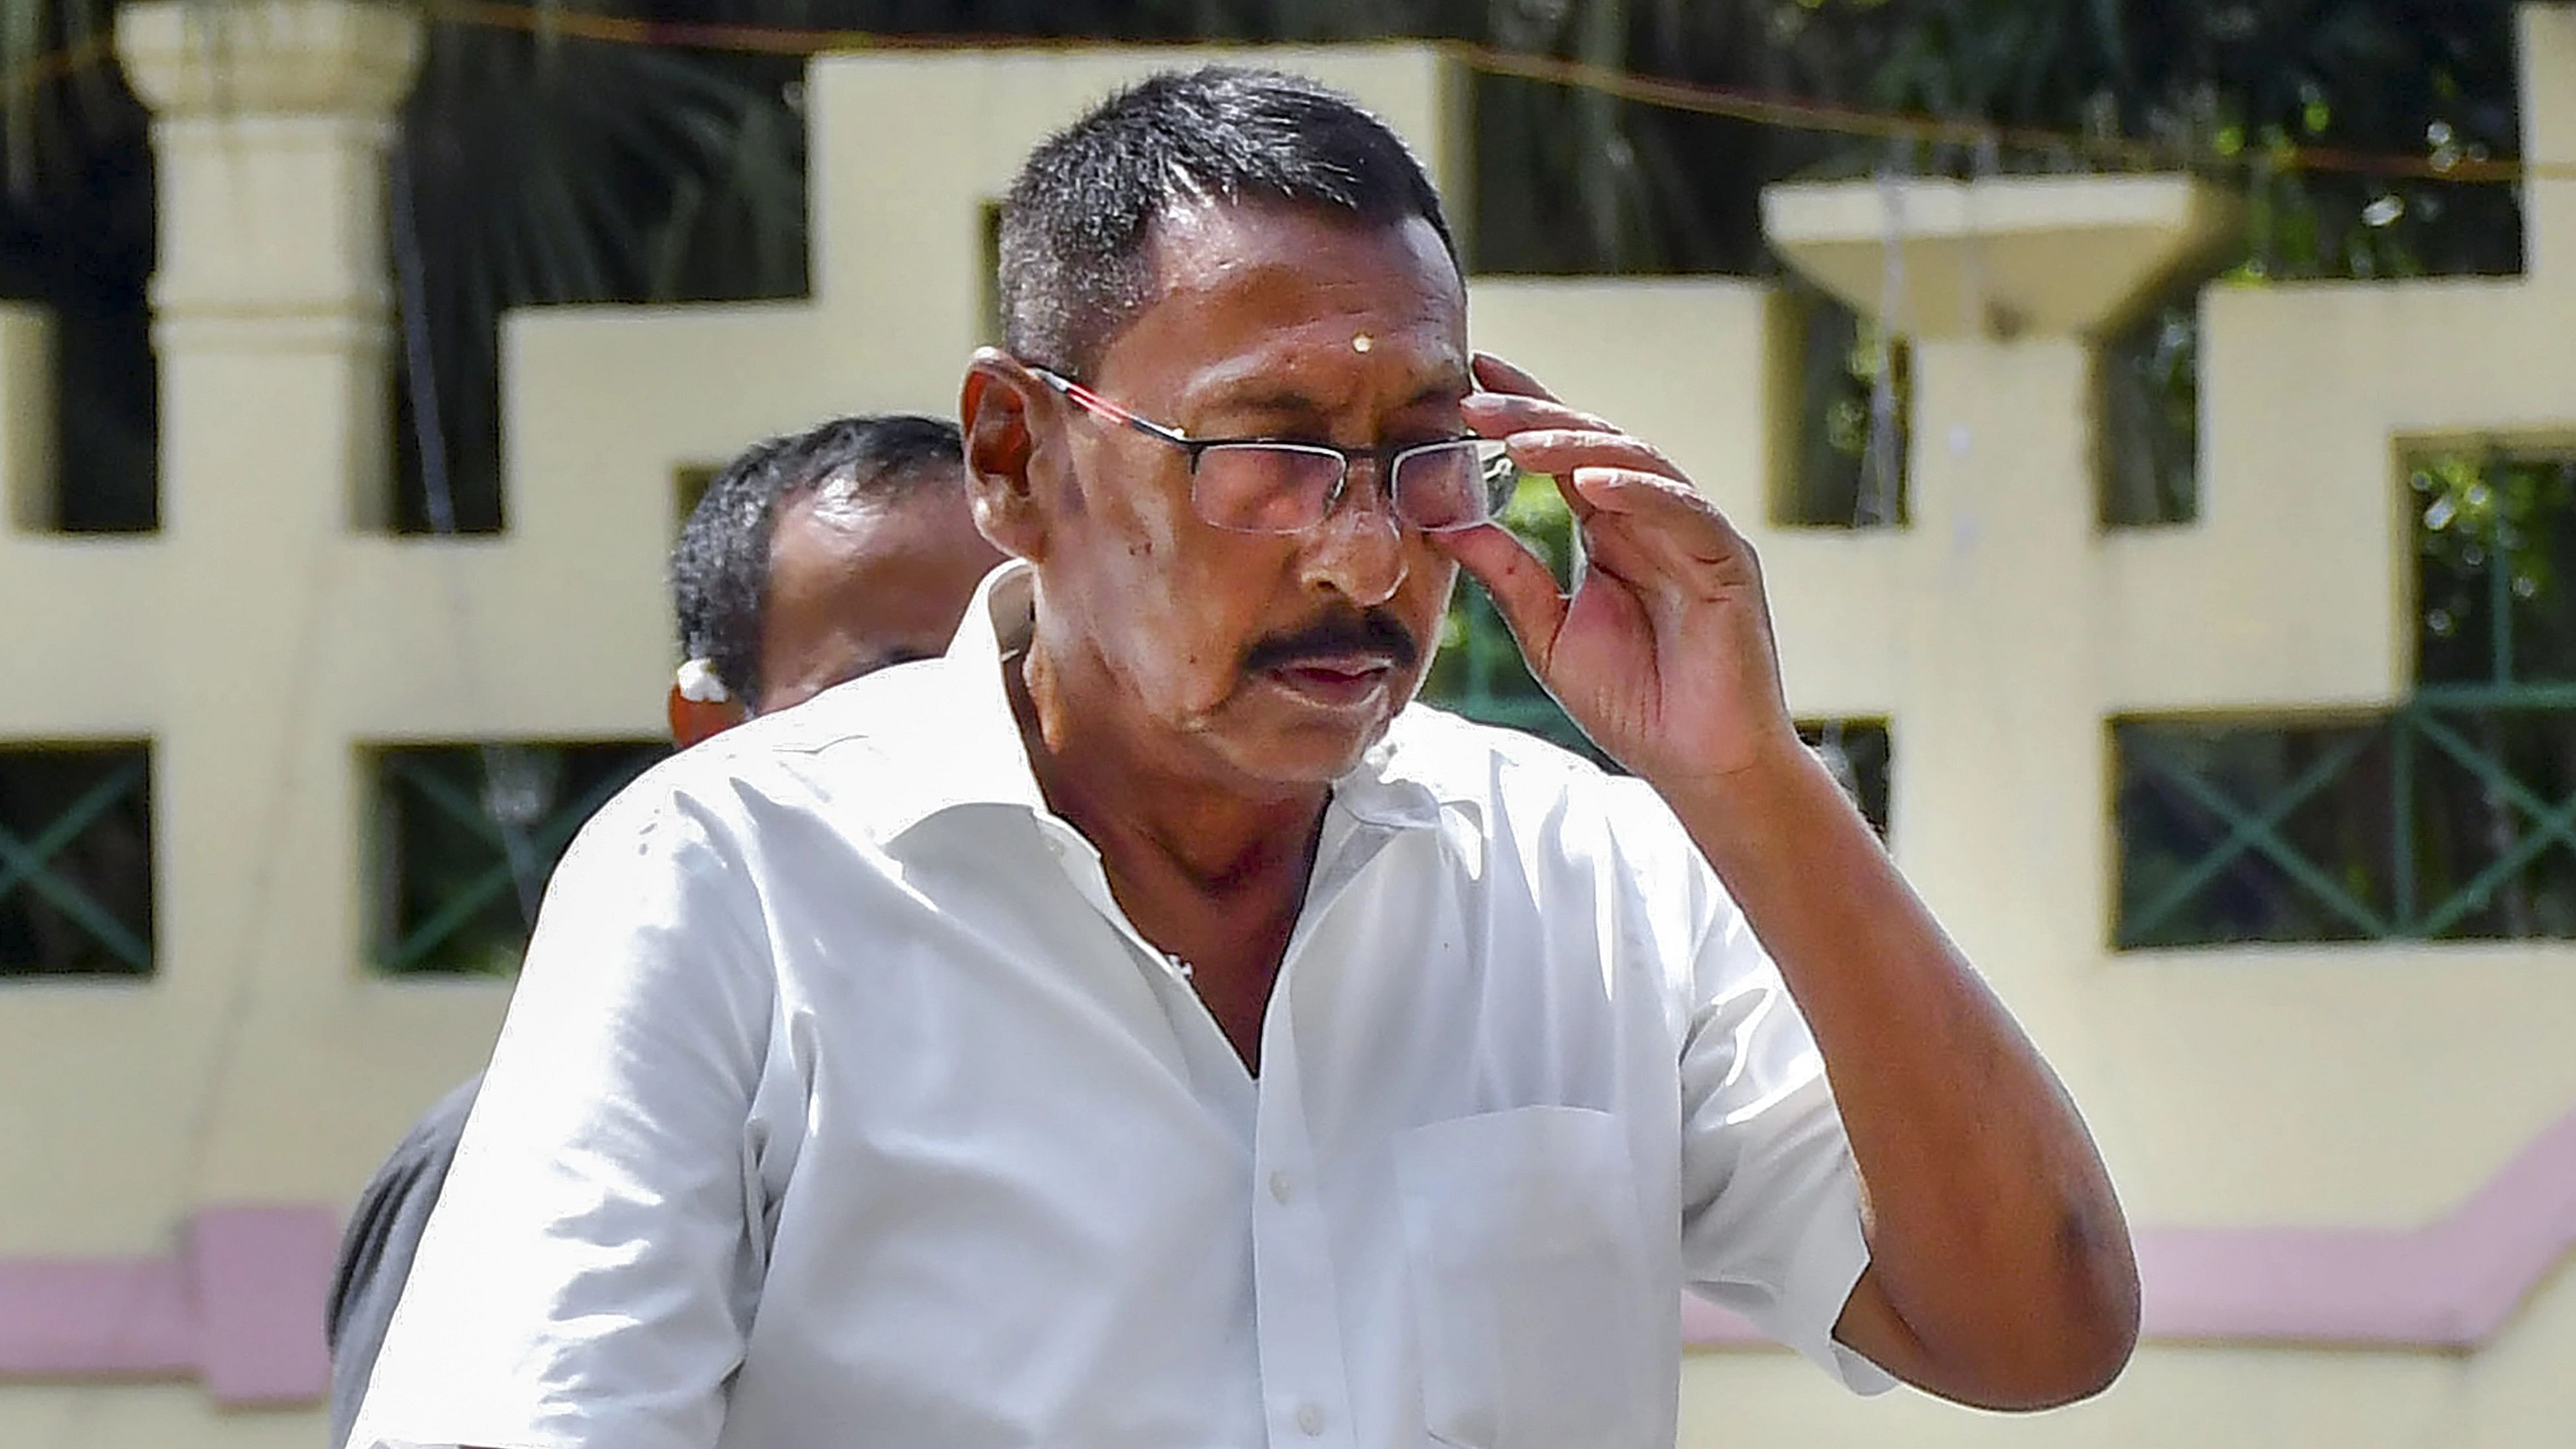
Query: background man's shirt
x=839 y=1098
x=377 y=1248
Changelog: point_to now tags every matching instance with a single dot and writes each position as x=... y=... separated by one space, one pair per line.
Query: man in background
x=811 y=560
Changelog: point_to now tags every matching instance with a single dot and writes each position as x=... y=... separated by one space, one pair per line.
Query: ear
x=997 y=407
x=693 y=720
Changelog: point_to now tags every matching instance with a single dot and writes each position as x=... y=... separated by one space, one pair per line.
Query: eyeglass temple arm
x=1085 y=398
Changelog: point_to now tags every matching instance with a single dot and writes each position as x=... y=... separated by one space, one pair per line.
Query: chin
x=1304 y=755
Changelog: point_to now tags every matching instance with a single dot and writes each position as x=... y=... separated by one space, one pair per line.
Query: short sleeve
x=1771 y=1223
x=590 y=1270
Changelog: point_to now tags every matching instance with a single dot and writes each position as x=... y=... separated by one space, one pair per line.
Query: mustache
x=1355 y=631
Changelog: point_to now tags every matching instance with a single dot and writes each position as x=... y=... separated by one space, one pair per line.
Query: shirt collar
x=971 y=729
x=978 y=733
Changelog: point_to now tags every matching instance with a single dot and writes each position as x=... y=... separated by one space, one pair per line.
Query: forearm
x=1994 y=1233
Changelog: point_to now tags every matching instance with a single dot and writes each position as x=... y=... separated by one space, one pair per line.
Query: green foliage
x=1855 y=400
x=2149 y=468
x=1479 y=671
x=2495 y=543
x=545 y=171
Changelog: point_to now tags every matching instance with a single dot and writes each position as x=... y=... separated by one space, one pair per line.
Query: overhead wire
x=1666 y=93
x=508 y=770
x=2448 y=164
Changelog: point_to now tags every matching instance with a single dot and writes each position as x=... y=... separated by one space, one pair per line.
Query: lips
x=1335 y=681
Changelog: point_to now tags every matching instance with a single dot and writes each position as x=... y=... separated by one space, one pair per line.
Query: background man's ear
x=995 y=407
x=693 y=720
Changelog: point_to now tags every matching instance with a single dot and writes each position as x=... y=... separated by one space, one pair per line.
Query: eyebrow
x=1287 y=402
x=1277 y=401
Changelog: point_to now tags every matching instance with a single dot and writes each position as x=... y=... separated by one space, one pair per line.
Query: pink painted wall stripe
x=239 y=1305
x=2451 y=1284
x=95 y=1318
x=261 y=1276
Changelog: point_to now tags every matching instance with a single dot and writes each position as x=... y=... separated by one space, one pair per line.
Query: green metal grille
x=2454 y=817
x=2451 y=817
x=76 y=860
x=468 y=834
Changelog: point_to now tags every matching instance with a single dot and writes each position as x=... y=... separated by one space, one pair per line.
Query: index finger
x=1496 y=375
x=1501 y=414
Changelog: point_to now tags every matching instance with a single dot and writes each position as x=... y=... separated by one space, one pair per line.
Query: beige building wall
x=2284 y=1105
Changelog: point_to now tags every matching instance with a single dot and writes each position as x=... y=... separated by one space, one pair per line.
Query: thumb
x=1522 y=588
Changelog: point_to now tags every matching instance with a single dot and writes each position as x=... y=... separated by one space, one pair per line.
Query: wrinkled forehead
x=1240 y=290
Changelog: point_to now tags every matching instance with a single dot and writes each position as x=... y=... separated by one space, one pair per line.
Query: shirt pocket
x=1527 y=1274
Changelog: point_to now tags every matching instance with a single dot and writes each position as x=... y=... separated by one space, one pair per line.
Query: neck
x=1153 y=809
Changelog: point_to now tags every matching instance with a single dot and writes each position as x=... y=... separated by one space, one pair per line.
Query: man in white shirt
x=1140 y=1026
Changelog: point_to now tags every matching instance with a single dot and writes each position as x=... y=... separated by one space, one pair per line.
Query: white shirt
x=840 y=1104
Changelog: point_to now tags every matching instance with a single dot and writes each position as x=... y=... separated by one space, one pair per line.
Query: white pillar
x=2008 y=284
x=271 y=317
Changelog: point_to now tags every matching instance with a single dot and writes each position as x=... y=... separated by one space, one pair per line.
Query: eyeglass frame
x=1386 y=458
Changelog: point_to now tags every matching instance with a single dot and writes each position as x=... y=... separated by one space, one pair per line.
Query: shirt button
x=1310 y=1419
x=1281 y=1189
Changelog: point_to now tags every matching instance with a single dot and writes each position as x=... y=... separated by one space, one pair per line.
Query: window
x=2149 y=433
x=2450 y=817
x=988 y=276
x=1862 y=755
x=689 y=487
x=76 y=859
x=465 y=837
x=1854 y=394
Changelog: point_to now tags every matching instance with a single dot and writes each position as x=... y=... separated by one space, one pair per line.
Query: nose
x=1358 y=550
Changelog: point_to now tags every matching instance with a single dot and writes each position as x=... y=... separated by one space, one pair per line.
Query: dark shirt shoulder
x=376 y=1250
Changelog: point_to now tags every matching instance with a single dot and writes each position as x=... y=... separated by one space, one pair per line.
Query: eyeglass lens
x=1288 y=488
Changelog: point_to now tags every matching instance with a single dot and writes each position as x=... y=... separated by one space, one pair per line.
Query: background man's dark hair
x=1077 y=220
x=720 y=570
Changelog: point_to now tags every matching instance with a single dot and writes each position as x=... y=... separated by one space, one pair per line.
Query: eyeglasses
x=1254 y=485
